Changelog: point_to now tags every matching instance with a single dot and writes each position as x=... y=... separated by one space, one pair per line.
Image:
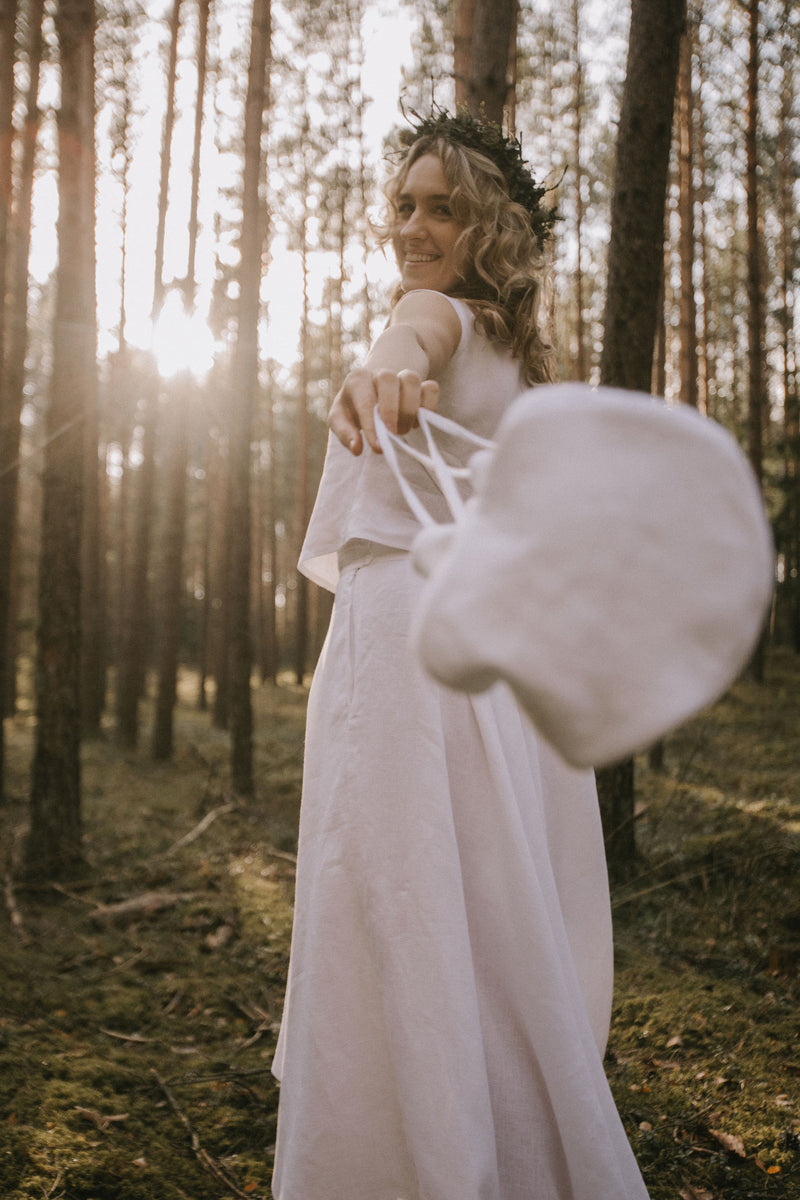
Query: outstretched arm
x=400 y=371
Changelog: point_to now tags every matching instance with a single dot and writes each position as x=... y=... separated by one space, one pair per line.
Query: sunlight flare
x=182 y=340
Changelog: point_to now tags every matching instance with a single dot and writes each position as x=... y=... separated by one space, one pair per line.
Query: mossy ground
x=135 y=1051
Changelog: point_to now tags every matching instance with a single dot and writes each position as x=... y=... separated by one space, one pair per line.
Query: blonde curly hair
x=502 y=282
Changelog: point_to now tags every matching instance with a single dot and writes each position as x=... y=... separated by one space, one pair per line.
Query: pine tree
x=635 y=265
x=55 y=838
x=245 y=391
x=15 y=342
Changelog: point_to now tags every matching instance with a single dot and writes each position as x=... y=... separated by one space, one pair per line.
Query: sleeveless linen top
x=358 y=497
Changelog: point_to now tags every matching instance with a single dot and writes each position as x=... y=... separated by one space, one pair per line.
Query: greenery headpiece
x=504 y=152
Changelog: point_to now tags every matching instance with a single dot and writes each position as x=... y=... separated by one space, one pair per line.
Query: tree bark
x=131 y=667
x=8 y=25
x=580 y=324
x=756 y=335
x=244 y=396
x=686 y=197
x=93 y=581
x=635 y=265
x=169 y=624
x=484 y=57
x=303 y=468
x=204 y=7
x=463 y=20
x=131 y=672
x=790 y=523
x=55 y=838
x=166 y=158
x=15 y=342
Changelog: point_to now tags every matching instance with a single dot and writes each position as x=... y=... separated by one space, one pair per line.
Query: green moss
x=705 y=1034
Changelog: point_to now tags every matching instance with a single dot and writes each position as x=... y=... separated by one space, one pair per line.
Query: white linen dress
x=451 y=965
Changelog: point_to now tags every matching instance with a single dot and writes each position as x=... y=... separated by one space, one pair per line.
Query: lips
x=421 y=258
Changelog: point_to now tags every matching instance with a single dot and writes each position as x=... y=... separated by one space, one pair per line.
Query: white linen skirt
x=451 y=966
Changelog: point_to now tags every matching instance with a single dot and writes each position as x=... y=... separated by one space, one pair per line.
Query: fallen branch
x=146 y=905
x=201 y=827
x=56 y=1183
x=292 y=858
x=206 y=1160
x=220 y=1076
x=101 y=1120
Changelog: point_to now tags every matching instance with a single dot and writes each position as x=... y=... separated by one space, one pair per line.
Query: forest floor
x=140 y=1002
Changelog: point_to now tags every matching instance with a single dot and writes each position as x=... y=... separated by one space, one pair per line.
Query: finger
x=408 y=400
x=429 y=395
x=351 y=411
x=342 y=425
x=361 y=385
x=367 y=418
x=387 y=396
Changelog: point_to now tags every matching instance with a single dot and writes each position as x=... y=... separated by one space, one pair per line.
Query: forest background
x=190 y=270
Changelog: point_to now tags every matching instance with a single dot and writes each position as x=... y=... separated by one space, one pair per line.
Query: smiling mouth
x=421 y=258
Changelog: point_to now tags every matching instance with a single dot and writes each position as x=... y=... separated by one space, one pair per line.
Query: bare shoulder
x=434 y=320
x=427 y=306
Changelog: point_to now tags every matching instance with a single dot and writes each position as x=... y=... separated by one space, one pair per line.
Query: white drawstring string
x=433 y=461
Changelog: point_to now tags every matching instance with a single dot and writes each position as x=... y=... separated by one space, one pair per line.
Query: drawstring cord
x=433 y=461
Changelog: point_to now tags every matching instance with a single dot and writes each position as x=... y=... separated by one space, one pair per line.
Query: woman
x=450 y=978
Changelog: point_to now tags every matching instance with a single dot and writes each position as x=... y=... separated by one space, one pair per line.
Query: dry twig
x=201 y=827
x=206 y=1160
x=146 y=905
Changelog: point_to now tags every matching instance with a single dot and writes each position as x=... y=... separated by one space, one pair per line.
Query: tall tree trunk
x=303 y=470
x=93 y=589
x=222 y=570
x=755 y=285
x=131 y=670
x=8 y=25
x=790 y=542
x=204 y=7
x=131 y=673
x=122 y=384
x=484 y=57
x=55 y=843
x=705 y=357
x=269 y=665
x=166 y=159
x=245 y=392
x=686 y=196
x=463 y=20
x=635 y=266
x=169 y=623
x=205 y=611
x=175 y=525
x=580 y=324
x=15 y=345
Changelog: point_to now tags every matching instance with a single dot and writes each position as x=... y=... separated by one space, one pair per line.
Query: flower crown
x=504 y=152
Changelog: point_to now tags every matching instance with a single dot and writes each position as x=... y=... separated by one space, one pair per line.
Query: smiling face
x=425 y=231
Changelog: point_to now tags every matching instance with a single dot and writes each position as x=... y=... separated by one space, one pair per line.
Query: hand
x=398 y=395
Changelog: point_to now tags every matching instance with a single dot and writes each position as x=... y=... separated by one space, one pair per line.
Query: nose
x=412 y=224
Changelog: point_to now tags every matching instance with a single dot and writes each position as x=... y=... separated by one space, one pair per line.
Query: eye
x=444 y=210
x=405 y=208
